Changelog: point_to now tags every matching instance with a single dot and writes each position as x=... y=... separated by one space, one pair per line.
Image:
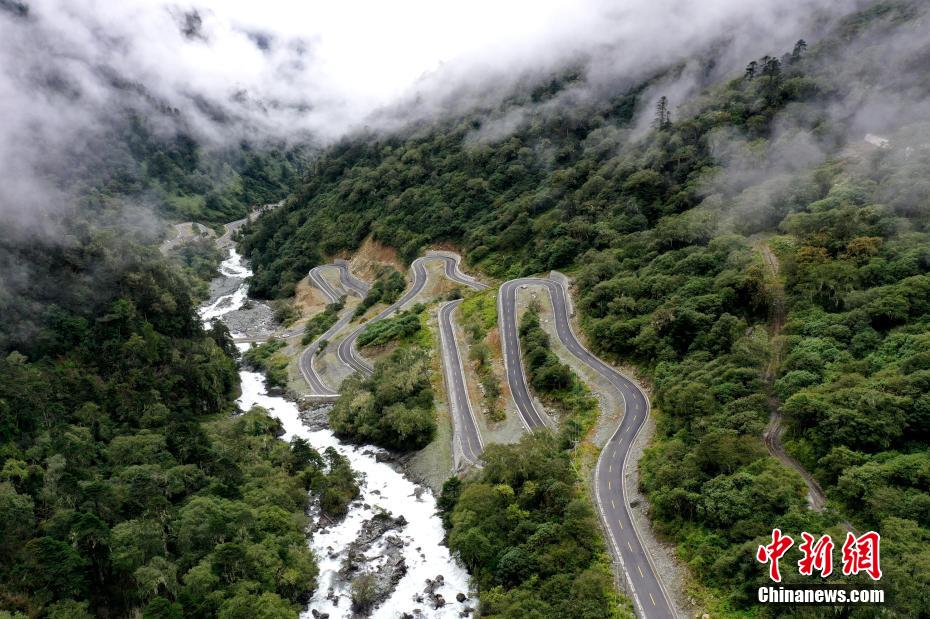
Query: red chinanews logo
x=860 y=554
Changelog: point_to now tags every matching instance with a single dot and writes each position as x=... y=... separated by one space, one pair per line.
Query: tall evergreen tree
x=799 y=48
x=663 y=117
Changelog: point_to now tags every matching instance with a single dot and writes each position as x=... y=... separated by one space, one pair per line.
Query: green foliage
x=318 y=325
x=393 y=408
x=400 y=327
x=364 y=592
x=478 y=315
x=330 y=477
x=269 y=358
x=192 y=183
x=555 y=382
x=528 y=536
x=126 y=486
x=386 y=289
x=200 y=259
x=285 y=312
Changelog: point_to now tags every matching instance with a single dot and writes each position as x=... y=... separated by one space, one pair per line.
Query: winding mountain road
x=463 y=415
x=316 y=277
x=453 y=269
x=348 y=352
x=319 y=389
x=349 y=281
x=645 y=587
x=775 y=428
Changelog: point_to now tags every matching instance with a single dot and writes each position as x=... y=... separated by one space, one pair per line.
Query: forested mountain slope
x=124 y=481
x=154 y=158
x=660 y=228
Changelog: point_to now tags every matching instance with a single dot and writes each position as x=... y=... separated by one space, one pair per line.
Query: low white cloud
x=299 y=71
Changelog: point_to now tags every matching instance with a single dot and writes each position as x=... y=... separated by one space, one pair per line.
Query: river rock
x=257 y=321
x=390 y=565
x=460 y=597
x=316 y=418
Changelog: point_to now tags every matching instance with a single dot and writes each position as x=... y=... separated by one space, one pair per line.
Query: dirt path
x=775 y=429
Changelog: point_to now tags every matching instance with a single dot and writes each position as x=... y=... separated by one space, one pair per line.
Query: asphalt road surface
x=348 y=352
x=532 y=418
x=463 y=416
x=466 y=428
x=649 y=595
x=454 y=272
x=305 y=362
x=317 y=279
x=349 y=281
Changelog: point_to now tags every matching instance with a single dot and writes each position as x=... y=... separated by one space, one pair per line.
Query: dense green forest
x=127 y=488
x=663 y=234
x=125 y=483
x=185 y=178
x=393 y=408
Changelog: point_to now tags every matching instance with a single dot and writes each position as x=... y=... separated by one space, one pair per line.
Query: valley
x=513 y=311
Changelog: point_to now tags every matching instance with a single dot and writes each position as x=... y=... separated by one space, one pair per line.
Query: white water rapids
x=382 y=489
x=234 y=268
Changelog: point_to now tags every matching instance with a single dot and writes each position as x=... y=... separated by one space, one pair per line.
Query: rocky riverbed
x=229 y=301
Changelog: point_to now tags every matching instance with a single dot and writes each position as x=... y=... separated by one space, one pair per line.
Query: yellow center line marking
x=608 y=484
x=653 y=599
x=621 y=526
x=640 y=571
x=610 y=469
x=629 y=545
x=612 y=504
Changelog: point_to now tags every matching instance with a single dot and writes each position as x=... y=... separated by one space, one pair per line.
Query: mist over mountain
x=74 y=72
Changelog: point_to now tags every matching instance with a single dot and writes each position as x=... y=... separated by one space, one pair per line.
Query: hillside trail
x=773 y=432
